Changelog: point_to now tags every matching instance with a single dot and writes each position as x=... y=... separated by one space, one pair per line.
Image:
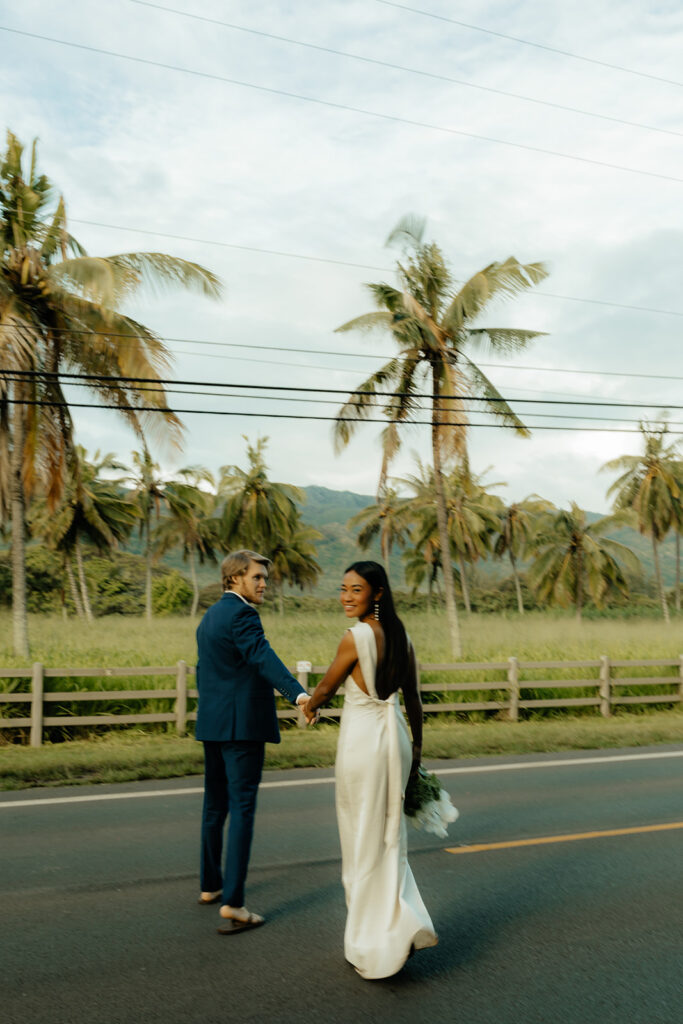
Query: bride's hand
x=310 y=716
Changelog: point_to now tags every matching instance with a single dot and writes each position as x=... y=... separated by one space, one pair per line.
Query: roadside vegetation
x=132 y=755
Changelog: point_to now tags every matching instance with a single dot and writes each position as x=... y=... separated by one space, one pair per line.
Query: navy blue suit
x=237 y=671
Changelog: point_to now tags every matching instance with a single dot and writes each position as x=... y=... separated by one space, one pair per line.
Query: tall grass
x=313 y=636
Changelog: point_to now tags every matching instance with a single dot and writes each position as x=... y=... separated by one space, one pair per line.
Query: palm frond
x=496 y=405
x=408 y=232
x=156 y=271
x=379 y=320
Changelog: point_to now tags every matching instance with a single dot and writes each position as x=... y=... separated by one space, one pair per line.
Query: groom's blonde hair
x=237 y=563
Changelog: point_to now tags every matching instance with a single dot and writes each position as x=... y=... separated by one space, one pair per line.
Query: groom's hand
x=303 y=701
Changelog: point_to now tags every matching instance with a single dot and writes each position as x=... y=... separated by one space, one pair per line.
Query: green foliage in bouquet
x=422 y=788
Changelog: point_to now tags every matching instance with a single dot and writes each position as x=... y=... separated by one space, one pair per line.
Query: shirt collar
x=234 y=592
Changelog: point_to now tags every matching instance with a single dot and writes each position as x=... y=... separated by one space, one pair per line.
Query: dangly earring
x=377 y=610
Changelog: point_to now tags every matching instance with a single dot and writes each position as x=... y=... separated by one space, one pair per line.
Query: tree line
x=61 y=312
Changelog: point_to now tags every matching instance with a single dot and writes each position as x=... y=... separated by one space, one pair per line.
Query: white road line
x=464 y=770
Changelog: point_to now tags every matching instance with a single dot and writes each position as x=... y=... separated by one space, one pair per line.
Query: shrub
x=171 y=594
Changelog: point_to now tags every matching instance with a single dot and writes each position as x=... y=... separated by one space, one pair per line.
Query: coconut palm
x=93 y=511
x=263 y=515
x=471 y=516
x=386 y=519
x=436 y=330
x=60 y=312
x=650 y=486
x=293 y=561
x=188 y=523
x=257 y=512
x=422 y=565
x=148 y=494
x=516 y=528
x=573 y=558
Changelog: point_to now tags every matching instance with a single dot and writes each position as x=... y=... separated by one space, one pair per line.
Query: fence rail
x=606 y=685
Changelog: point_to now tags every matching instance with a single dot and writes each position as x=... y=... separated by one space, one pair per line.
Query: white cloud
x=146 y=147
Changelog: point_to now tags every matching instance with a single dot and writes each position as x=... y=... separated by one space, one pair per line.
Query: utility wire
x=356 y=355
x=401 y=67
x=293 y=416
x=394 y=118
x=529 y=42
x=119 y=378
x=342 y=263
x=374 y=404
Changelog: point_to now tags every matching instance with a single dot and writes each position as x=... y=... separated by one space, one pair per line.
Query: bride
x=386 y=918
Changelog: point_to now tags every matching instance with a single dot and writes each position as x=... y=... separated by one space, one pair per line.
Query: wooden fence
x=510 y=692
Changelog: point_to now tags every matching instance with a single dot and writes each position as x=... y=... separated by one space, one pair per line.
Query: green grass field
x=156 y=752
x=134 y=755
x=123 y=640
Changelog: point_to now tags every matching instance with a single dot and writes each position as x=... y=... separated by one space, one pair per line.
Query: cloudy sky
x=283 y=167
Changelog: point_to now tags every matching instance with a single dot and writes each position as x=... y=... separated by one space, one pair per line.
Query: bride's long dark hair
x=395 y=663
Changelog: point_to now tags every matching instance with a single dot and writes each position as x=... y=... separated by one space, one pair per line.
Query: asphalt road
x=99 y=922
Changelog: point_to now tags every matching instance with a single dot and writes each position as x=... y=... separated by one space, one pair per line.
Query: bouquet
x=427 y=805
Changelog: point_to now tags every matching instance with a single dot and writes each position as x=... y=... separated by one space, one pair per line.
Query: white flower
x=435 y=816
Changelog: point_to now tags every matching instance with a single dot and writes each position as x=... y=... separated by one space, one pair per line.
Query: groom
x=236 y=672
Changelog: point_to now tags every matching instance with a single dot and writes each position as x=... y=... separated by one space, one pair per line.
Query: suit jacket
x=237 y=670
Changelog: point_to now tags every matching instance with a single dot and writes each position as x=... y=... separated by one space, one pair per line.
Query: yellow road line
x=541 y=840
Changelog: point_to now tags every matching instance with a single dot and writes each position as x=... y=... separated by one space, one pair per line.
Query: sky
x=283 y=168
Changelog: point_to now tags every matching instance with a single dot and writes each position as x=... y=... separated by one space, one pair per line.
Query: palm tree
x=60 y=311
x=650 y=486
x=517 y=525
x=435 y=328
x=257 y=512
x=91 y=510
x=573 y=558
x=471 y=516
x=422 y=564
x=188 y=523
x=386 y=519
x=293 y=561
x=148 y=494
x=264 y=515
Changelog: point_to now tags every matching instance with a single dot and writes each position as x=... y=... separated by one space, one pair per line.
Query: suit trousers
x=232 y=773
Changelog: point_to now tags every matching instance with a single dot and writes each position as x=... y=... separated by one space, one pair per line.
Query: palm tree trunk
x=18 y=516
x=148 y=574
x=678 y=572
x=72 y=586
x=442 y=521
x=195 y=585
x=658 y=577
x=579 y=585
x=84 y=583
x=464 y=585
x=518 y=586
x=281 y=598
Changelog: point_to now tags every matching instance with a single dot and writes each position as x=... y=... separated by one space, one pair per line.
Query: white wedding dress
x=386 y=915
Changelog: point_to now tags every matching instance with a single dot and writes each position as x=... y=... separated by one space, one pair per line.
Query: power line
x=401 y=67
x=529 y=42
x=102 y=379
x=373 y=404
x=394 y=118
x=342 y=263
x=298 y=417
x=351 y=355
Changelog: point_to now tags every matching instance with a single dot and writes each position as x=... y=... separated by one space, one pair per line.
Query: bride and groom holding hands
x=237 y=671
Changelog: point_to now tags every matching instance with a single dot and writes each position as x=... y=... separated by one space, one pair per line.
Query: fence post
x=181 y=698
x=303 y=669
x=37 y=687
x=605 y=687
x=513 y=685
